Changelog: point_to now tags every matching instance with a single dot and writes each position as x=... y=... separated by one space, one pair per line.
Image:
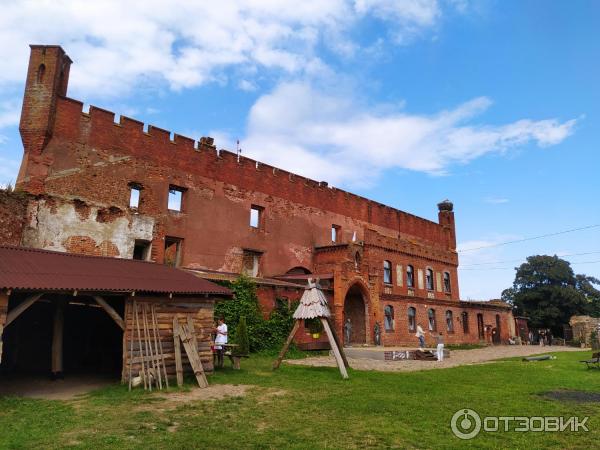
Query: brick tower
x=47 y=78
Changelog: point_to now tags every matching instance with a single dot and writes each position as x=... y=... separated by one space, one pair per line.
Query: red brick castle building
x=116 y=188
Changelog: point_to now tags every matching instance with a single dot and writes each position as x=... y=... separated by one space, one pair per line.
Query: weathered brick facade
x=84 y=166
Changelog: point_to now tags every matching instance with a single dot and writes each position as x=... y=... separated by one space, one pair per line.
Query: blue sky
x=494 y=105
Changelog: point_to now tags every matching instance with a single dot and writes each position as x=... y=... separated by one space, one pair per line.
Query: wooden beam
x=284 y=350
x=338 y=342
x=336 y=350
x=20 y=308
x=110 y=311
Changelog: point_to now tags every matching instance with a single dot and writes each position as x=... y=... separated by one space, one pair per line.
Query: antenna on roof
x=238 y=150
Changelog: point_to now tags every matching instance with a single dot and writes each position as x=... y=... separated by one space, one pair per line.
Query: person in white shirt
x=220 y=339
x=421 y=335
x=440 y=347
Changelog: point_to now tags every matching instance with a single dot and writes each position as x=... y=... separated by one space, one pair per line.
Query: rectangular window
x=256 y=216
x=172 y=251
x=336 y=233
x=251 y=263
x=175 y=198
x=399 y=275
x=420 y=280
x=141 y=250
x=438 y=281
x=134 y=196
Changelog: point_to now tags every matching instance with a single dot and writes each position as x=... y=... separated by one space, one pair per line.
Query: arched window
x=429 y=280
x=40 y=73
x=412 y=319
x=410 y=276
x=387 y=272
x=388 y=314
x=432 y=321
x=449 y=323
x=446 y=282
x=465 y=322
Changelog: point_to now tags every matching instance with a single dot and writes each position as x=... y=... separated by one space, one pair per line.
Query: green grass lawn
x=303 y=407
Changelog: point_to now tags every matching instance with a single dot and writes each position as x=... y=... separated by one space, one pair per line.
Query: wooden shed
x=62 y=313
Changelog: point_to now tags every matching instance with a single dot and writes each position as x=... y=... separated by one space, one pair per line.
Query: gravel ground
x=457 y=358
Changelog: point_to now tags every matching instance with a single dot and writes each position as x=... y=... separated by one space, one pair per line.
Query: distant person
x=541 y=338
x=439 y=339
x=348 y=330
x=220 y=339
x=421 y=336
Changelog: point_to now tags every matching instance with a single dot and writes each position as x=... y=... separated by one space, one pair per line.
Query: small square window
x=175 y=198
x=256 y=216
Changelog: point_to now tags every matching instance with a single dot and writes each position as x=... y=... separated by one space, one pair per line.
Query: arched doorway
x=355 y=310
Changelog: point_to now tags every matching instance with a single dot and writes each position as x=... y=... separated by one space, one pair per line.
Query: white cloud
x=120 y=45
x=496 y=200
x=10 y=112
x=328 y=135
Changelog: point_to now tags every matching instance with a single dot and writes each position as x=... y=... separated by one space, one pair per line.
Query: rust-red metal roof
x=32 y=269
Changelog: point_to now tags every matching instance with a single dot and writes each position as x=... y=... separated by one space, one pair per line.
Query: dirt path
x=457 y=358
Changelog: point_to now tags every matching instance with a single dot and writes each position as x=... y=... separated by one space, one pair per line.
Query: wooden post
x=139 y=335
x=338 y=342
x=336 y=350
x=57 y=339
x=128 y=334
x=177 y=343
x=160 y=347
x=3 y=311
x=284 y=350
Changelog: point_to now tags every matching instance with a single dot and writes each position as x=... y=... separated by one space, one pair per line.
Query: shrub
x=262 y=334
x=241 y=338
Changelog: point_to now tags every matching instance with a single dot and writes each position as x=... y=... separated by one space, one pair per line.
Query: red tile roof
x=32 y=269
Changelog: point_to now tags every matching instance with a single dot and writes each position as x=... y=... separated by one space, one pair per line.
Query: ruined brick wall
x=13 y=215
x=74 y=226
x=95 y=159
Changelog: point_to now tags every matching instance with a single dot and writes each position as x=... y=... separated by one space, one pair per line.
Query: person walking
x=440 y=347
x=220 y=339
x=421 y=336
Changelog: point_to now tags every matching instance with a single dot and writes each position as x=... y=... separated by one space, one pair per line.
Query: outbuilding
x=63 y=313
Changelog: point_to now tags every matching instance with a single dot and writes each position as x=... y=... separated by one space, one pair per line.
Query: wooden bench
x=593 y=363
x=235 y=360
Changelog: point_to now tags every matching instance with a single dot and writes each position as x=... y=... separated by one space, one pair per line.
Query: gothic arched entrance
x=355 y=310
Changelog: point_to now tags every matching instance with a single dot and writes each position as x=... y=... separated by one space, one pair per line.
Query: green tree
x=585 y=285
x=546 y=290
x=241 y=338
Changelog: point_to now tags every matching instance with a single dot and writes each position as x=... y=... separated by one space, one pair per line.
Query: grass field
x=304 y=407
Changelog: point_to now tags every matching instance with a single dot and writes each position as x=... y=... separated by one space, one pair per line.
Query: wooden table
x=235 y=359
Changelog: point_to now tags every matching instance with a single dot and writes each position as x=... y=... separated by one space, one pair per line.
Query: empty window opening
x=134 y=195
x=431 y=319
x=354 y=236
x=175 y=198
x=388 y=315
x=465 y=322
x=336 y=233
x=447 y=282
x=449 y=323
x=429 y=280
x=387 y=272
x=141 y=250
x=256 y=216
x=251 y=263
x=41 y=72
x=410 y=276
x=412 y=319
x=172 y=251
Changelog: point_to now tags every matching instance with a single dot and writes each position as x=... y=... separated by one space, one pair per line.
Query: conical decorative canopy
x=313 y=303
